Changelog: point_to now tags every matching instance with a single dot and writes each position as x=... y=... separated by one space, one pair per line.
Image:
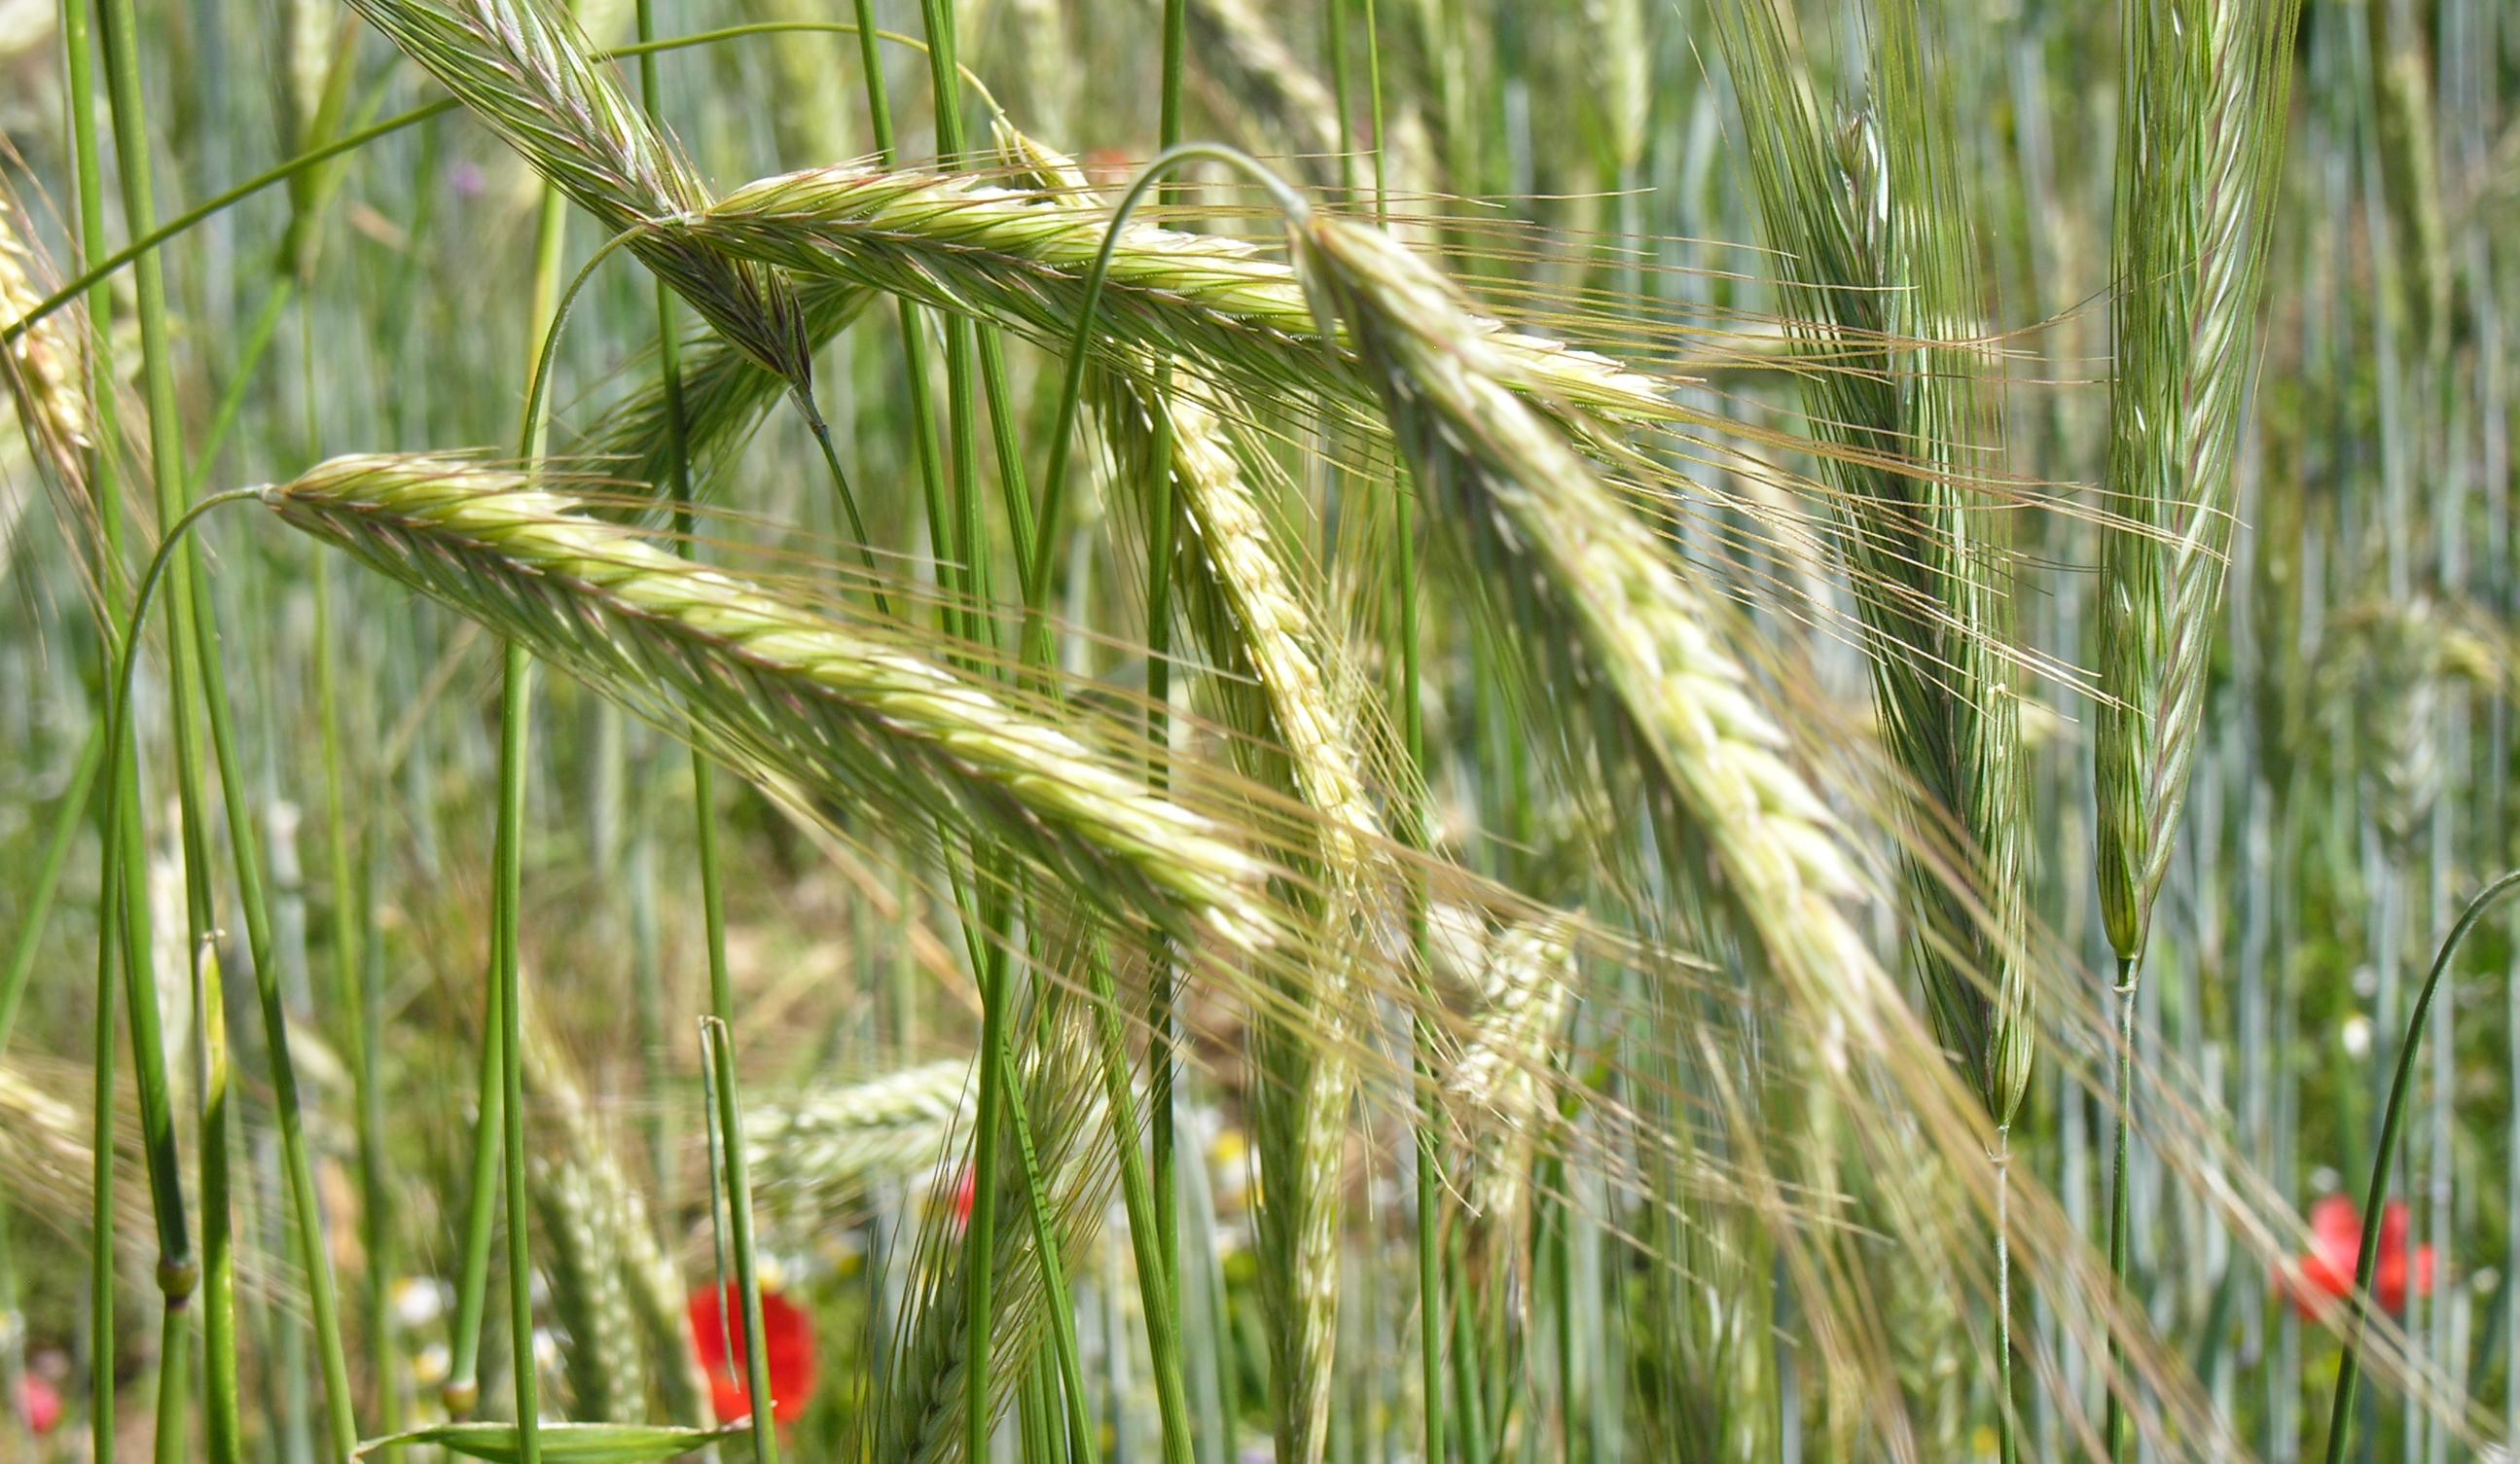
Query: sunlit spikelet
x=1678 y=697
x=1007 y=258
x=845 y=708
x=1649 y=663
x=1527 y=988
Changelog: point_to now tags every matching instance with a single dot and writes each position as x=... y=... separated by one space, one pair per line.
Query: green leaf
x=562 y=1442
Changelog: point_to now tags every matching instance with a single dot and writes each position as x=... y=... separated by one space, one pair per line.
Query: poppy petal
x=787 y=1340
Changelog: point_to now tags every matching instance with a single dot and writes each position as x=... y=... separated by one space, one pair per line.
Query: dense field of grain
x=1190 y=731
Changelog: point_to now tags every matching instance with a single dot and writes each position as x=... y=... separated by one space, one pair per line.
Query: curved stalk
x=2376 y=1195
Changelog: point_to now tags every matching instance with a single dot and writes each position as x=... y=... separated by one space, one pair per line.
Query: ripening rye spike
x=1625 y=641
x=2200 y=153
x=1008 y=257
x=845 y=708
x=1878 y=271
x=1497 y=1085
x=40 y=370
x=1613 y=604
x=527 y=72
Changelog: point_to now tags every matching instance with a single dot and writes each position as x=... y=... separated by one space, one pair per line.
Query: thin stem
x=174 y=1380
x=2121 y=1203
x=125 y=937
x=113 y=897
x=223 y=1437
x=996 y=984
x=74 y=810
x=1164 y=976
x=738 y=1206
x=2375 y=1194
x=1138 y=1197
x=2008 y=1447
x=375 y=1179
x=1374 y=97
x=506 y=983
x=105 y=485
x=653 y=996
x=119 y=34
x=1073 y=385
x=1168 y=121
x=100 y=1280
x=506 y=1006
x=305 y=1212
x=1161 y=1021
x=913 y=337
x=1410 y=830
x=350 y=955
x=463 y=1390
x=980 y=1271
x=1070 y=1378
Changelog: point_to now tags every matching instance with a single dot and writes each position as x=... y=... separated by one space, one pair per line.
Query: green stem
x=1168 y=121
x=119 y=34
x=305 y=1210
x=2121 y=1208
x=2008 y=1447
x=913 y=337
x=1162 y=977
x=104 y=484
x=996 y=986
x=258 y=339
x=506 y=1005
x=100 y=1349
x=174 y=1379
x=223 y=1435
x=739 y=1184
x=738 y=1206
x=1373 y=99
x=128 y=937
x=1157 y=1284
x=1410 y=828
x=375 y=1190
x=1072 y=389
x=463 y=1390
x=507 y=981
x=765 y=1439
x=1161 y=1021
x=348 y=930
x=2375 y=1194
x=1053 y=1278
x=980 y=1271
x=74 y=810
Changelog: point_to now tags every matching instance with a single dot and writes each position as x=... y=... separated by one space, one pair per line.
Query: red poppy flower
x=786 y=1335
x=2336 y=1244
x=959 y=1198
x=40 y=1404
